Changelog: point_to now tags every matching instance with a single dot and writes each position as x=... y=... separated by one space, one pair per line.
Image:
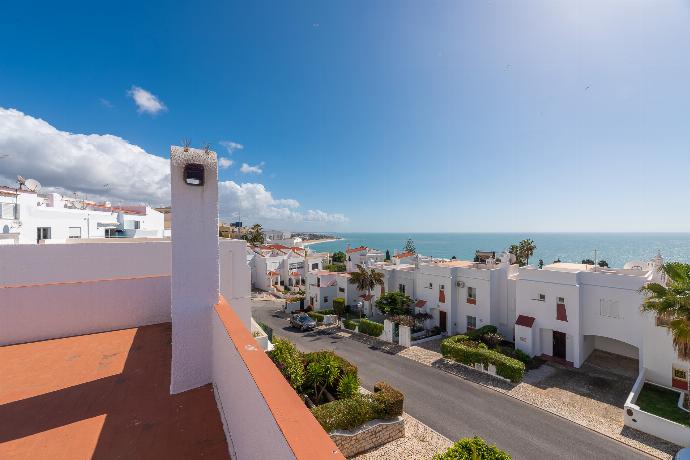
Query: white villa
x=27 y=217
x=361 y=255
x=275 y=266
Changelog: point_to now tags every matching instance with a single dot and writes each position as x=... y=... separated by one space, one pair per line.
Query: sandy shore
x=325 y=240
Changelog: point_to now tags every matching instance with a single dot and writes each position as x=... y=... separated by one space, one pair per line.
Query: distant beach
x=325 y=240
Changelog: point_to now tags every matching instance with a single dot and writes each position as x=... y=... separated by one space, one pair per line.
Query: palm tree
x=526 y=249
x=671 y=303
x=255 y=235
x=366 y=279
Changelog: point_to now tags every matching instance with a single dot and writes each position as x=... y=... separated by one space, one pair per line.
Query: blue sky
x=390 y=116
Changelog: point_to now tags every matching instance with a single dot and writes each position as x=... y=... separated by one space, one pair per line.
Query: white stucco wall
x=235 y=277
x=195 y=268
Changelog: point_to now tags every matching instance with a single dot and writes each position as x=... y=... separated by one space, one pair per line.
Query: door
x=559 y=344
x=442 y=320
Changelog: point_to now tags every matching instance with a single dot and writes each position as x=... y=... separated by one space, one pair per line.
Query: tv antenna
x=21 y=181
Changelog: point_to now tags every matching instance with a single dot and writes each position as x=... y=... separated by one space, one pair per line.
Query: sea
x=614 y=248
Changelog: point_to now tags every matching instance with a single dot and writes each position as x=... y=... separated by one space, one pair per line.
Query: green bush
x=348 y=386
x=371 y=328
x=345 y=366
x=339 y=306
x=328 y=312
x=345 y=414
x=477 y=334
x=289 y=361
x=351 y=325
x=318 y=317
x=472 y=449
x=337 y=267
x=464 y=350
x=390 y=400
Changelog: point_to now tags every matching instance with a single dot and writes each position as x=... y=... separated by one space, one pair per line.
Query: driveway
x=457 y=408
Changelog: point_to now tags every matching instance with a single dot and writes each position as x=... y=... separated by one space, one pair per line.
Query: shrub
x=394 y=303
x=345 y=366
x=492 y=339
x=318 y=317
x=371 y=328
x=348 y=386
x=345 y=414
x=390 y=400
x=463 y=350
x=351 y=325
x=322 y=372
x=339 y=306
x=327 y=312
x=472 y=449
x=289 y=361
x=337 y=267
x=477 y=334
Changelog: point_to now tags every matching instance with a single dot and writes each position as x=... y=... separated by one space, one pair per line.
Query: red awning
x=420 y=304
x=526 y=321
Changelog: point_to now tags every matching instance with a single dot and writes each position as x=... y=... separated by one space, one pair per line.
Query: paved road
x=457 y=408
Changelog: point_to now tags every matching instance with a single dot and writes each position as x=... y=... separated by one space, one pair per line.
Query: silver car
x=302 y=321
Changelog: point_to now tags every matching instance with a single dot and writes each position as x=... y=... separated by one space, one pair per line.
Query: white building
x=28 y=217
x=275 y=266
x=361 y=255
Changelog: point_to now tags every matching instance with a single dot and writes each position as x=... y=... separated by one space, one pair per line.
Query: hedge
x=351 y=325
x=371 y=328
x=345 y=414
x=472 y=449
x=318 y=317
x=477 y=334
x=463 y=350
x=289 y=361
x=339 y=306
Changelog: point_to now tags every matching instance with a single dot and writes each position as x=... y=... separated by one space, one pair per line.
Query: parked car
x=302 y=321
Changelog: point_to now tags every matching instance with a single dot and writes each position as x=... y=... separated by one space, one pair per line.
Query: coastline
x=325 y=240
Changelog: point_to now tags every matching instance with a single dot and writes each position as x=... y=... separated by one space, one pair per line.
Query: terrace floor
x=103 y=396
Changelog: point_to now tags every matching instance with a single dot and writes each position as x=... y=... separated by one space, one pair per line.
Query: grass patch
x=663 y=403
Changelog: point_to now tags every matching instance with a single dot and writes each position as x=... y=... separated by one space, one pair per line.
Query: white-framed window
x=471 y=323
x=137 y=225
x=441 y=287
x=8 y=211
x=560 y=300
x=471 y=293
x=325 y=299
x=401 y=288
x=542 y=297
x=74 y=232
x=341 y=289
x=315 y=266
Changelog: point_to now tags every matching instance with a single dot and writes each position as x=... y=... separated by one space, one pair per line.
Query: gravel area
x=420 y=443
x=566 y=392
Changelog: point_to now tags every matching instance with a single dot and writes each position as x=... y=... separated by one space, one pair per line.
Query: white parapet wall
x=57 y=291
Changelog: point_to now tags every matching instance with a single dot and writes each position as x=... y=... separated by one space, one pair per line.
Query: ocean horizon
x=614 y=248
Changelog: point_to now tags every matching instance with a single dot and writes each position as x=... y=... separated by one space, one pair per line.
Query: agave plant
x=671 y=303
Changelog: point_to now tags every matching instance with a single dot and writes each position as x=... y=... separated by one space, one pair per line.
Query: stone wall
x=369 y=436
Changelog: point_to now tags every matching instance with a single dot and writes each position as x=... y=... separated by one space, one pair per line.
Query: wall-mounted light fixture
x=194 y=174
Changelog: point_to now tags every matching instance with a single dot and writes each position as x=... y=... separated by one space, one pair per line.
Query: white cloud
x=246 y=169
x=224 y=163
x=231 y=146
x=145 y=101
x=109 y=167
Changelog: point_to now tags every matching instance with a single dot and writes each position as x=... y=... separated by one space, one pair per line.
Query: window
x=315 y=266
x=8 y=211
x=441 y=287
x=401 y=288
x=471 y=323
x=472 y=295
x=43 y=233
x=318 y=282
x=341 y=289
x=542 y=297
x=325 y=299
x=137 y=225
x=560 y=300
x=111 y=233
x=680 y=374
x=75 y=232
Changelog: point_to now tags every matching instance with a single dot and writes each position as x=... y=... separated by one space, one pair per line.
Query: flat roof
x=104 y=395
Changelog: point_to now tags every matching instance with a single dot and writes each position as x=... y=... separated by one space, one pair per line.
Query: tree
x=603 y=264
x=394 y=303
x=515 y=250
x=409 y=246
x=338 y=257
x=339 y=306
x=366 y=280
x=587 y=262
x=322 y=372
x=671 y=303
x=541 y=263
x=527 y=248
x=388 y=255
x=255 y=235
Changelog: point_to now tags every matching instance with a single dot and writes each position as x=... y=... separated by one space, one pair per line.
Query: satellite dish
x=32 y=185
x=21 y=181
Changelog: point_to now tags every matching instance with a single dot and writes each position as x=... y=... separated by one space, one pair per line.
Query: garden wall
x=369 y=436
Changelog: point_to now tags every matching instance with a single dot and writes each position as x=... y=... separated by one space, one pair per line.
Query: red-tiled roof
x=526 y=321
x=420 y=304
x=402 y=255
x=358 y=249
x=295 y=274
x=272 y=273
x=274 y=246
